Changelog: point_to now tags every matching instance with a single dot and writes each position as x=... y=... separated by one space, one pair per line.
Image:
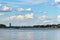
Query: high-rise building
x=9 y=24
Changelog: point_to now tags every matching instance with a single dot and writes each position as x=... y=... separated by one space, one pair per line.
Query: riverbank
x=34 y=26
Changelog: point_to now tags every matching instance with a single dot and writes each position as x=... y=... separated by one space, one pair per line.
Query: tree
x=2 y=26
x=36 y=26
x=58 y=26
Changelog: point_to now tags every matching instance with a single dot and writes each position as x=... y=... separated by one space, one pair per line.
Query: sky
x=29 y=12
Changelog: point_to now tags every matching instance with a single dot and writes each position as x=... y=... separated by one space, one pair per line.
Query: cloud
x=29 y=16
x=20 y=9
x=20 y=17
x=12 y=17
x=58 y=18
x=34 y=1
x=31 y=2
x=29 y=9
x=43 y=17
x=47 y=21
x=5 y=9
x=56 y=2
x=9 y=18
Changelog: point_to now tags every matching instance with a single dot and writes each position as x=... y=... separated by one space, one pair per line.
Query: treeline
x=2 y=26
x=34 y=26
x=47 y=26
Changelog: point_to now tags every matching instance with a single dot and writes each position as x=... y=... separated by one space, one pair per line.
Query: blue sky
x=29 y=12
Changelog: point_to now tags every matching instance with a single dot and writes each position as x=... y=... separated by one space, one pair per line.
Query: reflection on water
x=17 y=34
x=58 y=35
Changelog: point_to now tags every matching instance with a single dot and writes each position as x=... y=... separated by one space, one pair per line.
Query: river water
x=41 y=34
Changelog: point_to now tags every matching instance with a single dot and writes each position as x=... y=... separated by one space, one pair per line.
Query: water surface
x=18 y=34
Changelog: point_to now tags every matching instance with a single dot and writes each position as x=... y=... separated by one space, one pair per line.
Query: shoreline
x=33 y=28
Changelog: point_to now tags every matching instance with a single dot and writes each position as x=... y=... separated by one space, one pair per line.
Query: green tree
x=2 y=26
x=58 y=26
x=36 y=26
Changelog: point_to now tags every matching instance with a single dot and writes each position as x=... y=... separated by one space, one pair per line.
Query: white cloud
x=42 y=17
x=29 y=16
x=20 y=9
x=29 y=9
x=46 y=21
x=58 y=18
x=28 y=2
x=12 y=17
x=34 y=1
x=5 y=8
x=56 y=2
x=9 y=18
x=20 y=17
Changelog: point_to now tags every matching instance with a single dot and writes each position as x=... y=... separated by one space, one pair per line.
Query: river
x=22 y=34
